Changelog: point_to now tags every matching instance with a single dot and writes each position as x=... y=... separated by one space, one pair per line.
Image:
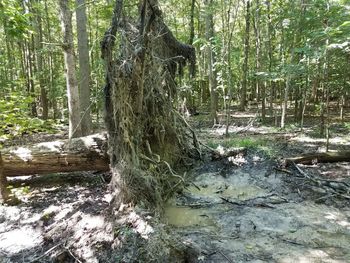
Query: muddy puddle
x=251 y=215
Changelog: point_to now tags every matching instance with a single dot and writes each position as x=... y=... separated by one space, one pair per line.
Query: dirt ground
x=238 y=209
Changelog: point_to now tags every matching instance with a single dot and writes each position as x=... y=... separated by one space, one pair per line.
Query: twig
x=47 y=252
x=232 y=202
x=70 y=252
x=196 y=186
x=283 y=170
x=292 y=242
x=228 y=259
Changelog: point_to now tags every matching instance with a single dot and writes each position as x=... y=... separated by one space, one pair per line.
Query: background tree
x=84 y=67
x=69 y=61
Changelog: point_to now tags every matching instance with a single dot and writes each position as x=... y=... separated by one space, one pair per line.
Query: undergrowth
x=259 y=144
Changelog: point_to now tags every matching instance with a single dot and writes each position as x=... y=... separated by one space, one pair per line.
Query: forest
x=175 y=131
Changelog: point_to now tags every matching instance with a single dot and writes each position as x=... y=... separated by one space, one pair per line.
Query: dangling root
x=146 y=135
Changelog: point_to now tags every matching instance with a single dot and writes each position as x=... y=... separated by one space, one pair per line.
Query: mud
x=252 y=213
x=278 y=228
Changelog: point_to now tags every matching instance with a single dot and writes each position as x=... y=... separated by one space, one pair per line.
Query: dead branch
x=313 y=158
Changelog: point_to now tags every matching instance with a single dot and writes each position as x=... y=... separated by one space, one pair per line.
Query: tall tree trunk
x=285 y=101
x=84 y=67
x=190 y=41
x=69 y=61
x=40 y=61
x=325 y=89
x=243 y=101
x=270 y=56
x=258 y=89
x=209 y=28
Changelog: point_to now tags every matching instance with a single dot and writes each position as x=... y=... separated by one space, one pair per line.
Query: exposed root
x=146 y=135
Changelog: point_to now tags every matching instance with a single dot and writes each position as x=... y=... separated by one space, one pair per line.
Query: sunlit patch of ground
x=66 y=219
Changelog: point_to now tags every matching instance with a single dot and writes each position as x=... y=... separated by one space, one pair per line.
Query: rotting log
x=80 y=154
x=329 y=157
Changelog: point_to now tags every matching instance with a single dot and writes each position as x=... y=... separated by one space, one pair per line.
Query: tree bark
x=84 y=67
x=80 y=154
x=69 y=61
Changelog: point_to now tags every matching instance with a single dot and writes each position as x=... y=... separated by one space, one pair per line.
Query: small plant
x=47 y=216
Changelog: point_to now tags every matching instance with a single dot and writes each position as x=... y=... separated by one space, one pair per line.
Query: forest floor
x=238 y=209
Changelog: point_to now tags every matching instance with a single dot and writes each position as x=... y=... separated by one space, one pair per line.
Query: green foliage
x=16 y=23
x=15 y=119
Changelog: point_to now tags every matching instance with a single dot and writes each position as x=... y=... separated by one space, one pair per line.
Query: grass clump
x=251 y=143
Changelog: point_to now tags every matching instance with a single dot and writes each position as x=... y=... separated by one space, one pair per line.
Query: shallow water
x=182 y=216
x=242 y=192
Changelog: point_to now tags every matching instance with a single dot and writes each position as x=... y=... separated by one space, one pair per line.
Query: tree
x=246 y=57
x=69 y=61
x=146 y=134
x=84 y=67
x=40 y=61
x=209 y=35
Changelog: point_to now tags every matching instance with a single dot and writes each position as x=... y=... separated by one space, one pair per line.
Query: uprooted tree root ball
x=146 y=134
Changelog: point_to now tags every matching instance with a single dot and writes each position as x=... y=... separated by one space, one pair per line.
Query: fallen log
x=80 y=154
x=329 y=157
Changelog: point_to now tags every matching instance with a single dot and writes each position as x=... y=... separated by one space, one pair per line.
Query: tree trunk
x=69 y=61
x=40 y=61
x=270 y=55
x=256 y=23
x=209 y=34
x=84 y=68
x=190 y=41
x=285 y=101
x=50 y=62
x=246 y=57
